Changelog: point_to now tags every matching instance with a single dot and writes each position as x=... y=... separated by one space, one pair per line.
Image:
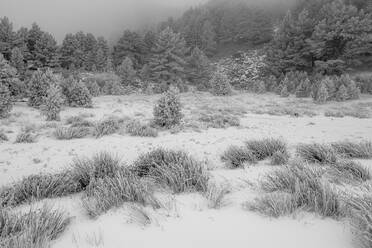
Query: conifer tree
x=341 y=94
x=17 y=60
x=167 y=64
x=6 y=103
x=53 y=103
x=322 y=93
x=130 y=45
x=126 y=72
x=199 y=69
x=7 y=37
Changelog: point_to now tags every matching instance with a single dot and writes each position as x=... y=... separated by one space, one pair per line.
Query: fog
x=100 y=17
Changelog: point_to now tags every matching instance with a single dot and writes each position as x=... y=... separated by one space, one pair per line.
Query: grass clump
x=108 y=192
x=74 y=180
x=101 y=165
x=235 y=156
x=361 y=219
x=349 y=172
x=279 y=158
x=220 y=120
x=107 y=127
x=34 y=229
x=175 y=169
x=353 y=149
x=135 y=128
x=216 y=195
x=308 y=190
x=265 y=148
x=274 y=204
x=37 y=187
x=68 y=133
x=25 y=137
x=317 y=153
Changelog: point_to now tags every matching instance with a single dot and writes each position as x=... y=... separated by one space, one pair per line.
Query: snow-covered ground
x=187 y=221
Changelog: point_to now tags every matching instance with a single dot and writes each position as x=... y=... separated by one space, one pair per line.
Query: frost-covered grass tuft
x=353 y=149
x=266 y=148
x=317 y=153
x=68 y=133
x=174 y=169
x=25 y=137
x=105 y=193
x=235 y=156
x=34 y=229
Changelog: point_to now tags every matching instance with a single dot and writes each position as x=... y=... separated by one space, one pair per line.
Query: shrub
x=135 y=128
x=220 y=120
x=6 y=102
x=364 y=82
x=78 y=95
x=353 y=90
x=322 y=94
x=108 y=192
x=220 y=84
x=107 y=127
x=93 y=88
x=284 y=91
x=236 y=156
x=259 y=87
x=265 y=148
x=353 y=149
x=25 y=137
x=317 y=153
x=33 y=229
x=341 y=94
x=68 y=133
x=304 y=88
x=38 y=87
x=37 y=187
x=279 y=158
x=175 y=169
x=274 y=204
x=167 y=111
x=53 y=103
x=101 y=165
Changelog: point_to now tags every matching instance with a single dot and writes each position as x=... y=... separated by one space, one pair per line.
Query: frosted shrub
x=78 y=95
x=220 y=84
x=6 y=103
x=38 y=87
x=53 y=103
x=167 y=111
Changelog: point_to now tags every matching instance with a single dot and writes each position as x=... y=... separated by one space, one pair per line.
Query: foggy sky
x=101 y=17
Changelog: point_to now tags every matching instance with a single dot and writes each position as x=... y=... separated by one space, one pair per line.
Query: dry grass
x=266 y=148
x=174 y=169
x=35 y=229
x=348 y=172
x=3 y=136
x=216 y=195
x=25 y=137
x=68 y=133
x=317 y=153
x=107 y=127
x=105 y=193
x=37 y=187
x=353 y=149
x=136 y=128
x=235 y=156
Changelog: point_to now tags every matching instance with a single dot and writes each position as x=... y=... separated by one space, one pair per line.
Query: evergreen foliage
x=167 y=111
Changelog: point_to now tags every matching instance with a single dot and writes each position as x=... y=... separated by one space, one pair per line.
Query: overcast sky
x=101 y=17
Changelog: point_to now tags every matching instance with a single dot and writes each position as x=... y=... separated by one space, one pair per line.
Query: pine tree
x=304 y=88
x=208 y=38
x=8 y=77
x=199 y=71
x=100 y=61
x=220 y=84
x=109 y=65
x=322 y=93
x=167 y=64
x=7 y=37
x=6 y=103
x=167 y=111
x=38 y=87
x=284 y=91
x=53 y=103
x=126 y=72
x=130 y=45
x=17 y=60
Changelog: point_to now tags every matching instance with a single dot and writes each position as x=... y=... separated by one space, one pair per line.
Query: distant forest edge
x=304 y=39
